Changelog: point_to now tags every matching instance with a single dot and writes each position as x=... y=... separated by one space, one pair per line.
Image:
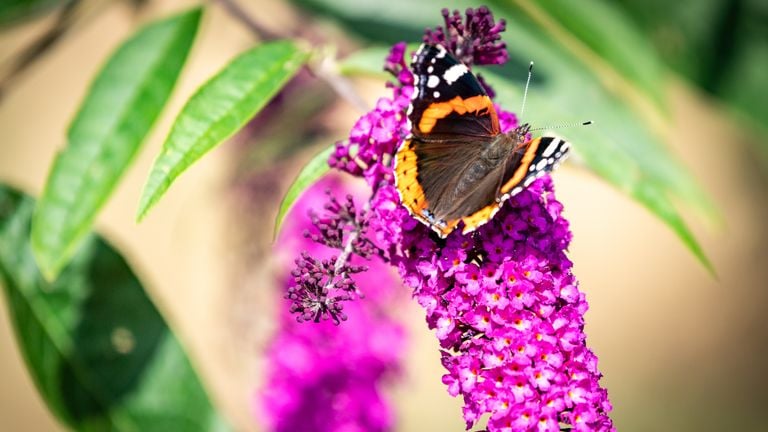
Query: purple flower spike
x=509 y=316
x=475 y=40
x=321 y=286
x=325 y=377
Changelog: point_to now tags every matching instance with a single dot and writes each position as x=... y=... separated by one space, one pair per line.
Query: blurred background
x=680 y=350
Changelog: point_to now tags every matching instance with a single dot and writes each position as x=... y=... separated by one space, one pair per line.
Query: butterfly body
x=456 y=165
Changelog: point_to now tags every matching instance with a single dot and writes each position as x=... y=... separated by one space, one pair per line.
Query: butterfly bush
x=324 y=377
x=502 y=300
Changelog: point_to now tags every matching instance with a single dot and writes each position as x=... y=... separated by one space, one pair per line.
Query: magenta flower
x=325 y=377
x=502 y=300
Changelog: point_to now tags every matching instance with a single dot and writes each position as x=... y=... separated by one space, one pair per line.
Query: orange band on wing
x=480 y=217
x=406 y=171
x=411 y=192
x=522 y=169
x=439 y=110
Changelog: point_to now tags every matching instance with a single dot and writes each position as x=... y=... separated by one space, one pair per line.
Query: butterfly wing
x=431 y=178
x=540 y=156
x=479 y=203
x=448 y=101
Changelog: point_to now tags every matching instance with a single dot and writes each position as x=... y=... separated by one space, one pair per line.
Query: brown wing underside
x=428 y=173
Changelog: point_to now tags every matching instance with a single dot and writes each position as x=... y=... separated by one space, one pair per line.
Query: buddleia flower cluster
x=325 y=377
x=502 y=300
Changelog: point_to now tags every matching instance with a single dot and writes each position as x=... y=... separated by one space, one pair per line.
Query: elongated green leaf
x=14 y=11
x=219 y=109
x=312 y=172
x=621 y=147
x=598 y=31
x=117 y=114
x=98 y=350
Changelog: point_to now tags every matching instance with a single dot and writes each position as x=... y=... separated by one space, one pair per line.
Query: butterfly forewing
x=448 y=101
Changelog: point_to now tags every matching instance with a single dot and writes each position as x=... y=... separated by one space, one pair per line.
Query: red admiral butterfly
x=456 y=165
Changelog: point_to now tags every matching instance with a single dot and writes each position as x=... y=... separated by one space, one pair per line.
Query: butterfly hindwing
x=409 y=187
x=541 y=155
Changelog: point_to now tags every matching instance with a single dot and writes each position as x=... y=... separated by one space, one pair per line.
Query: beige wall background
x=680 y=350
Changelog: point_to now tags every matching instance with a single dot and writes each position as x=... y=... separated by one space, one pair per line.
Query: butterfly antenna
x=525 y=93
x=564 y=125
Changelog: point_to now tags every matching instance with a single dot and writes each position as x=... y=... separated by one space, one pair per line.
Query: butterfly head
x=519 y=135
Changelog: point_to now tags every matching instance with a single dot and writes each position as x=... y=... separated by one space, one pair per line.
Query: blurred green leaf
x=744 y=84
x=98 y=350
x=219 y=109
x=598 y=31
x=14 y=11
x=720 y=45
x=570 y=80
x=622 y=147
x=118 y=112
x=312 y=172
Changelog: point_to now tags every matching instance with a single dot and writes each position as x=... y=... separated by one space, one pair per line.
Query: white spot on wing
x=551 y=148
x=433 y=81
x=541 y=165
x=454 y=73
x=430 y=69
x=528 y=181
x=436 y=94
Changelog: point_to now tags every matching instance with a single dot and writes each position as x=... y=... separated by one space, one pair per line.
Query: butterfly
x=456 y=165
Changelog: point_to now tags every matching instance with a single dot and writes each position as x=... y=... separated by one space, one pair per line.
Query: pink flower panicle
x=333 y=227
x=324 y=377
x=320 y=287
x=474 y=39
x=502 y=300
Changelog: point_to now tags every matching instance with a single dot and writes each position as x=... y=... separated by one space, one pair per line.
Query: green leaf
x=623 y=147
x=100 y=353
x=597 y=32
x=219 y=109
x=312 y=172
x=118 y=112
x=720 y=45
x=15 y=11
